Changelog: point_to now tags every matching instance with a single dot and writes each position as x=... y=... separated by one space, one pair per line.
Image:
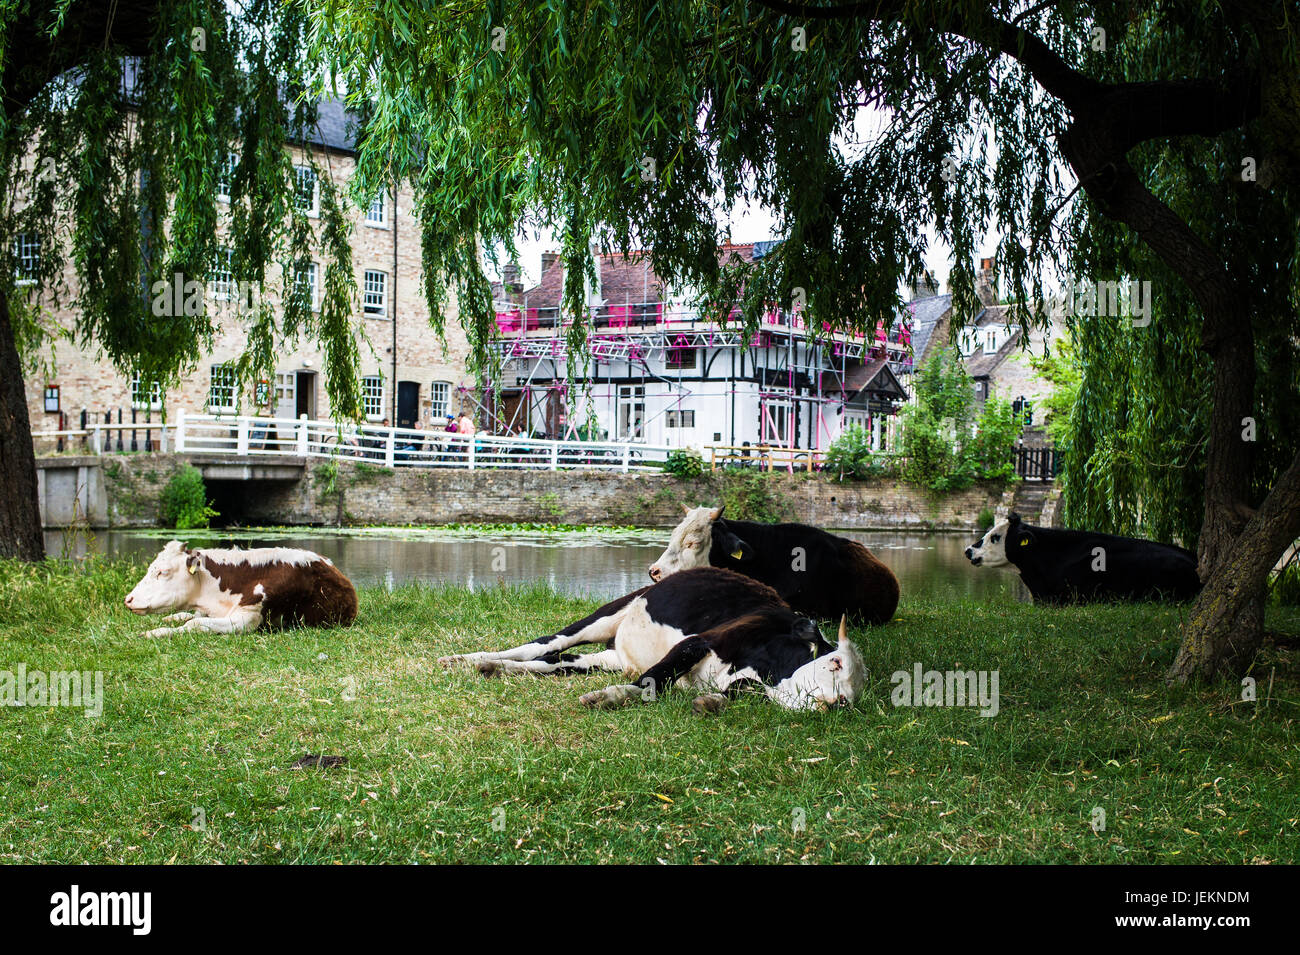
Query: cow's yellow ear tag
x=737 y=553
x=1024 y=542
x=194 y=568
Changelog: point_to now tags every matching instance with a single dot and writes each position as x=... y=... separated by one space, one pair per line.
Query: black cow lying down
x=1064 y=566
x=815 y=572
x=707 y=629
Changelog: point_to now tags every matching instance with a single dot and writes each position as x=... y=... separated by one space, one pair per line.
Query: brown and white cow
x=231 y=591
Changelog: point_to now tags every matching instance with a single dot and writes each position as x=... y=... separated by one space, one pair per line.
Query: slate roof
x=926 y=316
x=336 y=125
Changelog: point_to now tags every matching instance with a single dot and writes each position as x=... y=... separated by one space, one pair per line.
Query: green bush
x=851 y=458
x=685 y=463
x=948 y=446
x=184 y=504
x=1284 y=589
x=750 y=495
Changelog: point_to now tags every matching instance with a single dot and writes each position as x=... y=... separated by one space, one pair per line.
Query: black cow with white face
x=815 y=572
x=707 y=629
x=1065 y=566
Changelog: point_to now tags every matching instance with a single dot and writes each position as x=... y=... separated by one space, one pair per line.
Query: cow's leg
x=678 y=662
x=182 y=616
x=600 y=627
x=570 y=663
x=239 y=621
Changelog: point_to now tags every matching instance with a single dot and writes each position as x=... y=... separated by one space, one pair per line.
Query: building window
x=682 y=358
x=374 y=292
x=221 y=390
x=145 y=402
x=27 y=253
x=52 y=399
x=307 y=189
x=377 y=212
x=679 y=419
x=991 y=343
x=226 y=176
x=776 y=422
x=372 y=396
x=223 y=275
x=439 y=399
x=631 y=413
x=306 y=284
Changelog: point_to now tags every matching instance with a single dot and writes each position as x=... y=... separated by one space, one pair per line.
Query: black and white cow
x=706 y=628
x=815 y=572
x=1065 y=566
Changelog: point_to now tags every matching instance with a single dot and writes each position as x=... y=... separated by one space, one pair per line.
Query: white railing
x=255 y=436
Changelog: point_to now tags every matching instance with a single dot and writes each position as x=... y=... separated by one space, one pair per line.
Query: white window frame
x=27 y=258
x=372 y=397
x=226 y=176
x=439 y=400
x=379 y=206
x=312 y=271
x=155 y=398
x=374 y=293
x=223 y=289
x=630 y=398
x=777 y=413
x=300 y=175
x=222 y=379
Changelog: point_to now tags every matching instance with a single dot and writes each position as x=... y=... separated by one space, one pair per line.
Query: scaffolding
x=637 y=333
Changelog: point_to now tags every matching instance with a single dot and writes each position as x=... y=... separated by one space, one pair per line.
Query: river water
x=599 y=565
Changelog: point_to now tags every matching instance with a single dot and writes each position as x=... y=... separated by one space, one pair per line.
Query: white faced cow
x=816 y=573
x=706 y=628
x=230 y=591
x=1069 y=566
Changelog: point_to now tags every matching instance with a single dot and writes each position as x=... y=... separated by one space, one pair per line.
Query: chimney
x=925 y=287
x=984 y=289
x=548 y=259
x=510 y=284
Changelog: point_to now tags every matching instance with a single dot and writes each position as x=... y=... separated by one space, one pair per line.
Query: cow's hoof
x=450 y=662
x=490 y=668
x=709 y=703
x=610 y=698
x=158 y=632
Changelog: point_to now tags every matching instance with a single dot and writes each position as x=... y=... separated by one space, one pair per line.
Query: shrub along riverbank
x=190 y=759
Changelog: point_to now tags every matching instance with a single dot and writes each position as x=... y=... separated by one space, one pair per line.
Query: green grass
x=446 y=766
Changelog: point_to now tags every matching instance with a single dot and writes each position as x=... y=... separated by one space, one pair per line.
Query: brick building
x=406 y=373
x=995 y=353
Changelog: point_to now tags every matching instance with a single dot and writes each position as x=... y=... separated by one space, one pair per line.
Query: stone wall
x=361 y=494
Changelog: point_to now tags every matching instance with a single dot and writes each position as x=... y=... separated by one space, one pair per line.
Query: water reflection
x=929 y=563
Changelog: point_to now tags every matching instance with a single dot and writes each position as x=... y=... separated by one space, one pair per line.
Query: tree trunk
x=1224 y=631
x=20 y=518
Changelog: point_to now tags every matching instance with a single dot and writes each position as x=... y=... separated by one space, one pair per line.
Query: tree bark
x=1217 y=639
x=20 y=517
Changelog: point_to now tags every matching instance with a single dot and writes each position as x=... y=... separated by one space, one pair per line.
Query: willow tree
x=115 y=122
x=630 y=120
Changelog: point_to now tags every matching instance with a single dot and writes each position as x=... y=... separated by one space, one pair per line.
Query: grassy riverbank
x=189 y=761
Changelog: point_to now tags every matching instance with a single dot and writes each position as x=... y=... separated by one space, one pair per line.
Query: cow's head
x=834 y=679
x=991 y=549
x=692 y=540
x=170 y=583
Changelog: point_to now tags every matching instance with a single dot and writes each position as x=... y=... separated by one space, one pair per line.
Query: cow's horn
x=686 y=508
x=844 y=630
